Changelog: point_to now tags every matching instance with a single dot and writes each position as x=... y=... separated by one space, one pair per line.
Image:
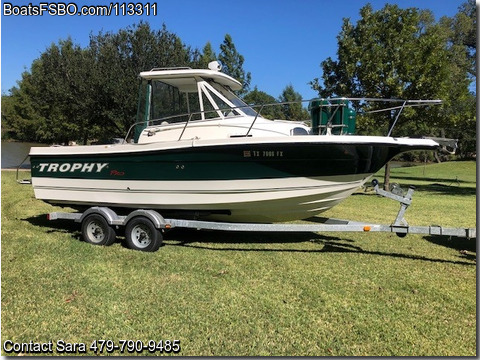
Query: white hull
x=269 y=200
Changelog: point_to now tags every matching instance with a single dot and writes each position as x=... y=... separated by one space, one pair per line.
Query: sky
x=283 y=41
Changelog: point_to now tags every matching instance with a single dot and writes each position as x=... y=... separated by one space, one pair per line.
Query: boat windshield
x=205 y=100
x=237 y=102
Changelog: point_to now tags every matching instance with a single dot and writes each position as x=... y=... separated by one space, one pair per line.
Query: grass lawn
x=225 y=294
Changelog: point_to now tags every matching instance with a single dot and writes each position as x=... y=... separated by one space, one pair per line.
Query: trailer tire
x=141 y=234
x=97 y=231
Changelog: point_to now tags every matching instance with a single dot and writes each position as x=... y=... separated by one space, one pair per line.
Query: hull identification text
x=72 y=167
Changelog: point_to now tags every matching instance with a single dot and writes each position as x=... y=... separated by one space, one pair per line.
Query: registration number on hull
x=263 y=153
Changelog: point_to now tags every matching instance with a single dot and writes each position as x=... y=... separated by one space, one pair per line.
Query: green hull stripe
x=222 y=163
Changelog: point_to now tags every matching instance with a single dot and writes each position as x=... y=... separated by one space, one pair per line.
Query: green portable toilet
x=320 y=113
x=350 y=118
x=344 y=120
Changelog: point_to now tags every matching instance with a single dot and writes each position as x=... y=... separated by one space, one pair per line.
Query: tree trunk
x=436 y=154
x=386 y=179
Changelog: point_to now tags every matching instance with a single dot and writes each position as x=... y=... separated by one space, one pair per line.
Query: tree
x=263 y=103
x=19 y=118
x=207 y=56
x=390 y=53
x=460 y=108
x=463 y=27
x=393 y=53
x=50 y=98
x=232 y=63
x=120 y=57
x=79 y=94
x=293 y=110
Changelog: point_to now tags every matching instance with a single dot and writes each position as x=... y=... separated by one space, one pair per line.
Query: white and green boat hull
x=242 y=179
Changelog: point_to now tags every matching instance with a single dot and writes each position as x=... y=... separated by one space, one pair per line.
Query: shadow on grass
x=447 y=189
x=457 y=243
x=447 y=181
x=210 y=241
x=67 y=227
x=340 y=247
x=185 y=237
x=436 y=188
x=62 y=226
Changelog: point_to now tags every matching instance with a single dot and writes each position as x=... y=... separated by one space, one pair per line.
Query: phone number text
x=135 y=346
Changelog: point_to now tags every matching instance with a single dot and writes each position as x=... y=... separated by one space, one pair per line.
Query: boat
x=197 y=150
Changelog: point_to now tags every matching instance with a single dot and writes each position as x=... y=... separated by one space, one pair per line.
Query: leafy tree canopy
x=288 y=106
x=232 y=63
x=292 y=107
x=208 y=55
x=262 y=102
x=396 y=53
x=401 y=54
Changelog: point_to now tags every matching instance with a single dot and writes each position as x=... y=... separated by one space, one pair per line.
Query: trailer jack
x=400 y=225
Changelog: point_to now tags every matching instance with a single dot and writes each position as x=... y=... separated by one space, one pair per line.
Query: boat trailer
x=144 y=228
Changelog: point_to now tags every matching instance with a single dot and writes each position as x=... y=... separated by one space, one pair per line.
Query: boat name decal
x=72 y=167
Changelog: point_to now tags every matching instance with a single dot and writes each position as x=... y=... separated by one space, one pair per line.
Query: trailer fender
x=157 y=219
x=109 y=215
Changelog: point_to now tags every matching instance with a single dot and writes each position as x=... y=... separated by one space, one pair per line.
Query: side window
x=193 y=105
x=298 y=131
x=167 y=101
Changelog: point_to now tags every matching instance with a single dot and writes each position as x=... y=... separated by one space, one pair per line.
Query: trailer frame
x=144 y=227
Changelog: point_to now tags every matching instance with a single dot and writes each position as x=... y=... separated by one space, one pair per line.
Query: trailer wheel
x=97 y=231
x=141 y=234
